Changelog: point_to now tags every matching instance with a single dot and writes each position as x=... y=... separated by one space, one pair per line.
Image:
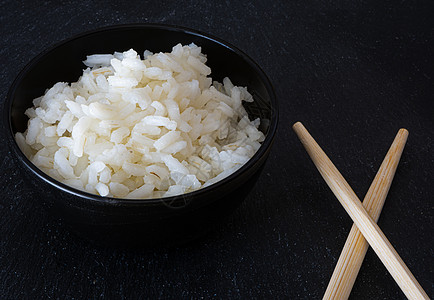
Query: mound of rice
x=134 y=128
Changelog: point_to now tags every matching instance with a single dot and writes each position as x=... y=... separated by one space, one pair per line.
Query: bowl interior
x=63 y=62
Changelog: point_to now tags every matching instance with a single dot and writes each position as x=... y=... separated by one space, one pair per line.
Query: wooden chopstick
x=370 y=230
x=355 y=248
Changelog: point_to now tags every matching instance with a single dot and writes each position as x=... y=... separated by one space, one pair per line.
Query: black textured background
x=354 y=73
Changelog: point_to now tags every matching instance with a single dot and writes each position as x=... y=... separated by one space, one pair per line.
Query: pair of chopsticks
x=364 y=218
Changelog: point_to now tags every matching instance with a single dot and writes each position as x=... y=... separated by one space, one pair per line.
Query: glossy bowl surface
x=146 y=222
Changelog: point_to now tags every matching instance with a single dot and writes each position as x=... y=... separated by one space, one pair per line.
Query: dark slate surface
x=354 y=74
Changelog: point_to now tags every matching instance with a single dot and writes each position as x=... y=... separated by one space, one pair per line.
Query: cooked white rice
x=134 y=128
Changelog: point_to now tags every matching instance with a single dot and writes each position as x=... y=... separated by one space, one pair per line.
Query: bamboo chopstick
x=355 y=248
x=372 y=233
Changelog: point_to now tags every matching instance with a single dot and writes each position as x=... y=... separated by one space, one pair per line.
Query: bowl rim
x=265 y=145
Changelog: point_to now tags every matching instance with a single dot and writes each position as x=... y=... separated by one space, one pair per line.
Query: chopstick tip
x=297 y=124
x=403 y=132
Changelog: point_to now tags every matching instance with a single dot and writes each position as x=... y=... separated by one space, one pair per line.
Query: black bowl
x=166 y=221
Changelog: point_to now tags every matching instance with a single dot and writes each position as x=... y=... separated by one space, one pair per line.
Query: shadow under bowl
x=141 y=222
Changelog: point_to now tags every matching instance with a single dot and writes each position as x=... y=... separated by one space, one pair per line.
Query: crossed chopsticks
x=365 y=230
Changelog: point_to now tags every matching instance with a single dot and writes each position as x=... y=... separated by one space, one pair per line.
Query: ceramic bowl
x=146 y=222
